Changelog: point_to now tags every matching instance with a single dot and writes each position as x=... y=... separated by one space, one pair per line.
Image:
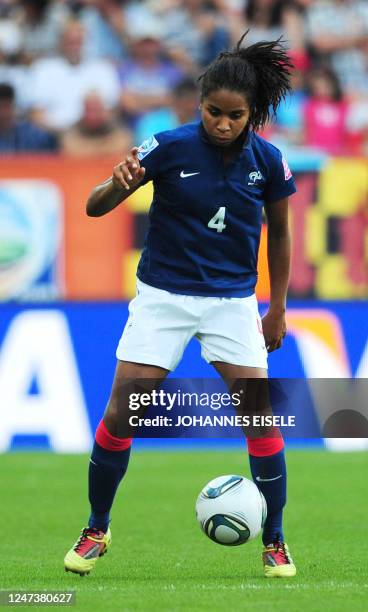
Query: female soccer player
x=198 y=271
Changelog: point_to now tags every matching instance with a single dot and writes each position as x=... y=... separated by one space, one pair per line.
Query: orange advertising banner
x=50 y=249
x=90 y=251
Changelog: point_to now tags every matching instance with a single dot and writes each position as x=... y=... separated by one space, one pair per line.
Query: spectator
x=97 y=133
x=184 y=109
x=325 y=112
x=146 y=79
x=10 y=34
x=336 y=31
x=264 y=19
x=104 y=22
x=60 y=84
x=290 y=113
x=20 y=136
x=357 y=125
x=41 y=22
x=12 y=69
x=77 y=5
x=270 y=19
x=194 y=31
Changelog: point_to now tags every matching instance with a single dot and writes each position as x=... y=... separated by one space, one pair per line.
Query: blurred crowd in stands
x=93 y=77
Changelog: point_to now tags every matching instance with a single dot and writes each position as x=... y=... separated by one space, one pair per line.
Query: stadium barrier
x=50 y=249
x=57 y=363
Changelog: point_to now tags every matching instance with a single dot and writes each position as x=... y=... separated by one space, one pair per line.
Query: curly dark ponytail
x=260 y=72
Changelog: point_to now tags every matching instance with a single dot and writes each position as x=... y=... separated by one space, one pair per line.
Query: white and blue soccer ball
x=231 y=510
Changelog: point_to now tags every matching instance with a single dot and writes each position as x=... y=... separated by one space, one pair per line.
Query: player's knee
x=111 y=419
x=116 y=417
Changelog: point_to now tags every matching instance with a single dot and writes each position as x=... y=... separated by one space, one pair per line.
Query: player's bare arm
x=278 y=253
x=125 y=179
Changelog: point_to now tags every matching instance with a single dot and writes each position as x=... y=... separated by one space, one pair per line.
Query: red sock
x=263 y=447
x=268 y=467
x=109 y=442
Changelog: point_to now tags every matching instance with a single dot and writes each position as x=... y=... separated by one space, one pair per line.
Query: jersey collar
x=204 y=136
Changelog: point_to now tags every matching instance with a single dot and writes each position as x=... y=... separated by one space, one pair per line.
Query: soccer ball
x=231 y=510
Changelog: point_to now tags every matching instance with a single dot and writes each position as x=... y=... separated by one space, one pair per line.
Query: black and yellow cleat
x=91 y=544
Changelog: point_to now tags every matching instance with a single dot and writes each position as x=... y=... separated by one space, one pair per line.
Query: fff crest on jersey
x=255 y=177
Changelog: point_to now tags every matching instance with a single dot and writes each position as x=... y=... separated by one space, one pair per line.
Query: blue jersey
x=206 y=217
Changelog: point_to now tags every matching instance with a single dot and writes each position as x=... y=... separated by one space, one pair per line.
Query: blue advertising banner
x=57 y=364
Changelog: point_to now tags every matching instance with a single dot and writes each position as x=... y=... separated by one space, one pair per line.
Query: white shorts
x=161 y=324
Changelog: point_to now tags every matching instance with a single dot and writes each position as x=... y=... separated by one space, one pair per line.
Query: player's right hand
x=128 y=173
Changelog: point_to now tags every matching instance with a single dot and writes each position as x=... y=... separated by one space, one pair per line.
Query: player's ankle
x=99 y=521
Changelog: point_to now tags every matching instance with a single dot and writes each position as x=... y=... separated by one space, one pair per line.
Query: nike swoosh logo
x=259 y=479
x=185 y=174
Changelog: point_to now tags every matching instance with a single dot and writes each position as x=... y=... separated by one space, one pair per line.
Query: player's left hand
x=274 y=329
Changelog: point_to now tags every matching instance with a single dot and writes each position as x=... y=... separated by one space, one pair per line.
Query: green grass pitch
x=160 y=560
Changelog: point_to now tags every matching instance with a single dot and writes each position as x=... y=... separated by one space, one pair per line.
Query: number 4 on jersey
x=217 y=222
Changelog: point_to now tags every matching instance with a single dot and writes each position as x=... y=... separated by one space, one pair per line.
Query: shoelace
x=84 y=537
x=279 y=549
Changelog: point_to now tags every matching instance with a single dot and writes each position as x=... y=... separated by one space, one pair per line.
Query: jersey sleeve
x=151 y=155
x=280 y=183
